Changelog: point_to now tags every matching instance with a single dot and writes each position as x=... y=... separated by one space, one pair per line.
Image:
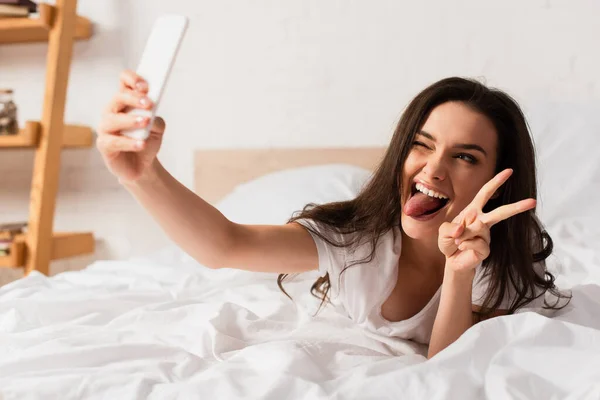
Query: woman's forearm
x=196 y=226
x=454 y=315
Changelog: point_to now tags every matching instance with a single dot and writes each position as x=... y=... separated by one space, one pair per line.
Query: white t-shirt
x=363 y=288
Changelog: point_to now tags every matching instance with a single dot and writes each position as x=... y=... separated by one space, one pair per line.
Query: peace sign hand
x=466 y=240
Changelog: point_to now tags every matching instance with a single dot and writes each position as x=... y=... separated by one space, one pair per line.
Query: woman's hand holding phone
x=129 y=159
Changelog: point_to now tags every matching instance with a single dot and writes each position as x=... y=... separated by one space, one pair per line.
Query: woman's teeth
x=429 y=193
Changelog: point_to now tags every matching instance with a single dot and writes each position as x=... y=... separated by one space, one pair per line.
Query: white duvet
x=168 y=328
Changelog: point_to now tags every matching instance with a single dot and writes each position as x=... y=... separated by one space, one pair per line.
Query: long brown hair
x=517 y=243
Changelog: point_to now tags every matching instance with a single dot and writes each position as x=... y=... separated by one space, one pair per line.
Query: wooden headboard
x=217 y=172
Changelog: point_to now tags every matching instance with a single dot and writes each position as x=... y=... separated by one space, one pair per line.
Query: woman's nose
x=435 y=169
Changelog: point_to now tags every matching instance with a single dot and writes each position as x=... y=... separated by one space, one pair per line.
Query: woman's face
x=453 y=155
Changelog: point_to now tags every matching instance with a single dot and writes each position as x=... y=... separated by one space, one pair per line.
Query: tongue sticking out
x=420 y=204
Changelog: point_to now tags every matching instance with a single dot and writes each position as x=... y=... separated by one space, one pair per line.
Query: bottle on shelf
x=8 y=113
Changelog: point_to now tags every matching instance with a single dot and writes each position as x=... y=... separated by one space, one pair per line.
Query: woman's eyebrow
x=427 y=135
x=465 y=146
x=468 y=146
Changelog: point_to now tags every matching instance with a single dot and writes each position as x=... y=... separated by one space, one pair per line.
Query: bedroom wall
x=287 y=73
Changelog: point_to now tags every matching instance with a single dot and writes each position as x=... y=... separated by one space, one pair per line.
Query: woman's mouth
x=424 y=204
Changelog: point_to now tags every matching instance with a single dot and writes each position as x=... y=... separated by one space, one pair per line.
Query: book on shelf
x=17 y=8
x=13 y=11
x=5 y=247
x=9 y=230
x=31 y=5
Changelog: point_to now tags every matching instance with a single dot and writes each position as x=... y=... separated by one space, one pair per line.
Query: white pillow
x=273 y=198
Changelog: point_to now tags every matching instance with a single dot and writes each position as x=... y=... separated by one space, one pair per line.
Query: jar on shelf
x=8 y=113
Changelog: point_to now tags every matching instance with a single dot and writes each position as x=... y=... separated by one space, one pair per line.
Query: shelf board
x=16 y=256
x=64 y=245
x=28 y=137
x=30 y=30
x=77 y=136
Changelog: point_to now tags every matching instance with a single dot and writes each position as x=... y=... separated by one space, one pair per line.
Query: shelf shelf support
x=44 y=186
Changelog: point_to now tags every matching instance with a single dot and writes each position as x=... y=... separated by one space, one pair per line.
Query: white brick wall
x=286 y=73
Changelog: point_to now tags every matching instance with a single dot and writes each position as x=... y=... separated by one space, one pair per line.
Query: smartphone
x=156 y=63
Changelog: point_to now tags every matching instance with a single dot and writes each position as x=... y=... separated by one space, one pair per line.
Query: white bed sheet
x=168 y=328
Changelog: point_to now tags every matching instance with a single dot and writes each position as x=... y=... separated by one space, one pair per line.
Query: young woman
x=444 y=234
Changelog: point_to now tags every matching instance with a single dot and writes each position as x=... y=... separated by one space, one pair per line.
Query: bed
x=163 y=326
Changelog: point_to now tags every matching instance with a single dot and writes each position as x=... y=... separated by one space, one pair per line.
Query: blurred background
x=285 y=73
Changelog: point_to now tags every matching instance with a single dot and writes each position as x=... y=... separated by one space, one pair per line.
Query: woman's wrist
x=460 y=277
x=149 y=178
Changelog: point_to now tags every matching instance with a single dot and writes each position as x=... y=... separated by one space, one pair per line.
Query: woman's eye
x=468 y=158
x=417 y=143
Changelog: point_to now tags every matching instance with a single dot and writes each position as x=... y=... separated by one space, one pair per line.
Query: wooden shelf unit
x=31 y=30
x=28 y=137
x=64 y=245
x=60 y=27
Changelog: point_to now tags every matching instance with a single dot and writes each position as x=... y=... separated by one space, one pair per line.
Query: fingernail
x=140 y=120
x=141 y=85
x=456 y=242
x=139 y=144
x=144 y=101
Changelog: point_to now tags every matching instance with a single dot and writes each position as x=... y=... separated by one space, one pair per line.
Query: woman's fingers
x=158 y=125
x=488 y=190
x=477 y=245
x=113 y=123
x=507 y=211
x=110 y=144
x=447 y=233
x=466 y=216
x=129 y=99
x=131 y=81
x=476 y=229
x=450 y=230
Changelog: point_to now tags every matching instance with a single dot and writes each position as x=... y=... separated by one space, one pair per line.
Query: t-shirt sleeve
x=331 y=258
x=481 y=287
